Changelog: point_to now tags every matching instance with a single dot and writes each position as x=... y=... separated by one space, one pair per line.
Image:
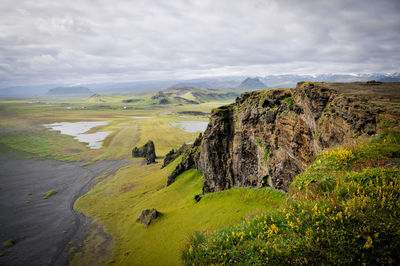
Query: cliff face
x=268 y=137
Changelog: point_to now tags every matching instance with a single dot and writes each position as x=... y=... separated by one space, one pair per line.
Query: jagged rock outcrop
x=268 y=137
x=173 y=154
x=147 y=151
x=190 y=159
x=147 y=216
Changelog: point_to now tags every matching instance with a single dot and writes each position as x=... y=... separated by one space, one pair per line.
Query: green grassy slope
x=118 y=201
x=344 y=209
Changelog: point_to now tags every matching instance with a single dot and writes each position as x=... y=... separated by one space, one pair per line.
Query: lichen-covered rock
x=268 y=137
x=147 y=216
x=147 y=151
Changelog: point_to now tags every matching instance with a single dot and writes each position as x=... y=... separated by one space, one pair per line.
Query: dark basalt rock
x=131 y=100
x=147 y=151
x=158 y=95
x=163 y=101
x=190 y=159
x=147 y=216
x=197 y=198
x=193 y=113
x=173 y=154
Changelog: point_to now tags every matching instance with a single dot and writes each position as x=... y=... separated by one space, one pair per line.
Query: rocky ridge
x=267 y=137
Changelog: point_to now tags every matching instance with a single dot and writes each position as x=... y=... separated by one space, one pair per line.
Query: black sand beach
x=43 y=230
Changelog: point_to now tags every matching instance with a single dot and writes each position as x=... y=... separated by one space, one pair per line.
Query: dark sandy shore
x=44 y=230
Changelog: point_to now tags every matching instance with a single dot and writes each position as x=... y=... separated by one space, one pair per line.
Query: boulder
x=147 y=151
x=147 y=216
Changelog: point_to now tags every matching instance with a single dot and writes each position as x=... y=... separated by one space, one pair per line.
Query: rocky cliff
x=190 y=159
x=267 y=137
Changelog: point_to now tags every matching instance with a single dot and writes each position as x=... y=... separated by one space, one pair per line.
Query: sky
x=83 y=41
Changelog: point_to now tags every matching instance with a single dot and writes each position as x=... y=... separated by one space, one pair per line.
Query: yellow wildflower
x=368 y=243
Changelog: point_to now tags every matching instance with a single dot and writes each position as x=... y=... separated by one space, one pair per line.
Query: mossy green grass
x=140 y=187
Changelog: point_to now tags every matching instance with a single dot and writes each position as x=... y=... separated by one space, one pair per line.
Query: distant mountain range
x=288 y=80
x=272 y=81
x=285 y=81
x=69 y=91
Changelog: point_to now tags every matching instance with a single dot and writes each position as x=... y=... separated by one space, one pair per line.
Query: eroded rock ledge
x=267 y=137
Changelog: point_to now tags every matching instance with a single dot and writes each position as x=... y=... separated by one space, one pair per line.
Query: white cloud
x=84 y=40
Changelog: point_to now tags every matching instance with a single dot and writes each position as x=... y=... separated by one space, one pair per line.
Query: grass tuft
x=49 y=194
x=9 y=243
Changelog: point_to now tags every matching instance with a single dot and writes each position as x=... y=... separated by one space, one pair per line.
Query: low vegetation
x=118 y=201
x=266 y=150
x=9 y=243
x=289 y=101
x=50 y=193
x=344 y=209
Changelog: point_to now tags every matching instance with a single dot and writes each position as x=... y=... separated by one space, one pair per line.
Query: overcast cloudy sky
x=44 y=41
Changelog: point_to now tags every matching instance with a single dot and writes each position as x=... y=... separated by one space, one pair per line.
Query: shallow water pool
x=191 y=126
x=78 y=129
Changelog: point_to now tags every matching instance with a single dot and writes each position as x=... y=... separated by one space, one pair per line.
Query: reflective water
x=191 y=126
x=78 y=129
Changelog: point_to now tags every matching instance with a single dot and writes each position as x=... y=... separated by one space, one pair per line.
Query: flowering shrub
x=341 y=155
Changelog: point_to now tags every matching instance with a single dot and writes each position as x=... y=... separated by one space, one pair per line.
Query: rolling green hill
x=194 y=95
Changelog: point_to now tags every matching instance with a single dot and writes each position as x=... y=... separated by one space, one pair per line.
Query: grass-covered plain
x=344 y=209
x=21 y=125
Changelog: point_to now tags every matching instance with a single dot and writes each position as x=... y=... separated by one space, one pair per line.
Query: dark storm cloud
x=86 y=40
